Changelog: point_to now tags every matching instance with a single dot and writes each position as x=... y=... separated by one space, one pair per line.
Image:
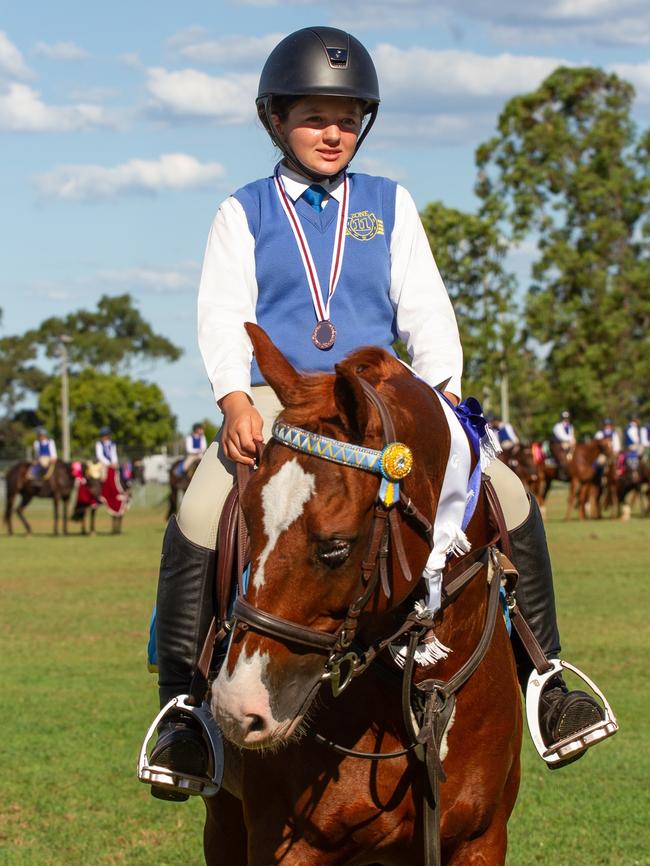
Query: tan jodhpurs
x=198 y=517
x=200 y=509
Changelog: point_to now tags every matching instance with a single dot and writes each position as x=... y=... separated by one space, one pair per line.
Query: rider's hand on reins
x=242 y=428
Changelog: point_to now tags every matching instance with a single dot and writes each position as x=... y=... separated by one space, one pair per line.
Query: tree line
x=566 y=173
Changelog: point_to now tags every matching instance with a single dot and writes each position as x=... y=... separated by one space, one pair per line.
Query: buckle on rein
x=164 y=777
x=339 y=679
x=575 y=743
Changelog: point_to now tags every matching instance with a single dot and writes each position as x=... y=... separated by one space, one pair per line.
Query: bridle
x=344 y=662
x=392 y=463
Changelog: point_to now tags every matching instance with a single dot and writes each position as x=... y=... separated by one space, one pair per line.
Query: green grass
x=76 y=699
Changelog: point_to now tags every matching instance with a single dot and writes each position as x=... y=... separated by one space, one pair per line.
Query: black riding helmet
x=319 y=61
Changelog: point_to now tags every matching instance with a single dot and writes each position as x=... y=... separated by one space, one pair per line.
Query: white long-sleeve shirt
x=111 y=460
x=562 y=434
x=51 y=448
x=228 y=294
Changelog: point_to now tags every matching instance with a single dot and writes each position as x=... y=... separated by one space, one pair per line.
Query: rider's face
x=322 y=131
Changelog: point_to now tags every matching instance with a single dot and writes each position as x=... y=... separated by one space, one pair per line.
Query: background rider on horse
x=45 y=456
x=563 y=441
x=106 y=450
x=195 y=447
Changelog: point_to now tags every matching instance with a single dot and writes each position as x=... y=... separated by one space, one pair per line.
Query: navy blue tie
x=314 y=196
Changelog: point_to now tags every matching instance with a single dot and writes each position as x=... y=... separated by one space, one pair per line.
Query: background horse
x=310 y=522
x=548 y=471
x=56 y=485
x=520 y=459
x=98 y=485
x=630 y=482
x=179 y=481
x=589 y=469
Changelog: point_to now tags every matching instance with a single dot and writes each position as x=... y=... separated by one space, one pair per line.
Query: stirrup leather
x=578 y=742
x=164 y=777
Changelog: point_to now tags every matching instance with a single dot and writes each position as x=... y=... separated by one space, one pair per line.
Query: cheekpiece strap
x=392 y=463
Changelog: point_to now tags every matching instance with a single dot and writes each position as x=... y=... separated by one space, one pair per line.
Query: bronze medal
x=324 y=335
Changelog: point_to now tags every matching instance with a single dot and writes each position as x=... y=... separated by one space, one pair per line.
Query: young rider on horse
x=44 y=455
x=608 y=431
x=195 y=447
x=106 y=450
x=633 y=436
x=505 y=432
x=362 y=236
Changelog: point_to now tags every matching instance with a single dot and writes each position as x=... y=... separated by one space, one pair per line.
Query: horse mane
x=311 y=403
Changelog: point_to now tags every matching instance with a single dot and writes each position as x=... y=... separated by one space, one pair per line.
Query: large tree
x=136 y=411
x=112 y=340
x=470 y=251
x=566 y=170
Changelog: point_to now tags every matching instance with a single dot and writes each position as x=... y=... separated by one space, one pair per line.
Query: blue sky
x=123 y=125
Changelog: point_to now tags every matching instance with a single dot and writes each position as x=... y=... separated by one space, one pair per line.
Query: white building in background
x=156 y=468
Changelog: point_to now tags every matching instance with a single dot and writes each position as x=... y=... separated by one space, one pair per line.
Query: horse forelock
x=311 y=403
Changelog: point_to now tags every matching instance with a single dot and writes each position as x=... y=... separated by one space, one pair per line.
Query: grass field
x=76 y=699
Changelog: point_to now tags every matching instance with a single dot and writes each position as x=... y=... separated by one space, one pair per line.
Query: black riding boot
x=561 y=712
x=183 y=615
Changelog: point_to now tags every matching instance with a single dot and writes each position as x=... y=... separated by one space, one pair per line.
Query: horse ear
x=277 y=371
x=350 y=400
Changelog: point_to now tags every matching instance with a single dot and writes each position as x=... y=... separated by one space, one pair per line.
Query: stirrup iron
x=578 y=742
x=164 y=777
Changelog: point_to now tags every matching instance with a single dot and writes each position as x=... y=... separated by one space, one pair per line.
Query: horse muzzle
x=254 y=714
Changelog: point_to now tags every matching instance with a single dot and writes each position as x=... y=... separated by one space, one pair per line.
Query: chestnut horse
x=57 y=485
x=589 y=468
x=316 y=534
x=520 y=459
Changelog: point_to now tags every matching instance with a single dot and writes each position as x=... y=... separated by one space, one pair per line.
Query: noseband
x=392 y=463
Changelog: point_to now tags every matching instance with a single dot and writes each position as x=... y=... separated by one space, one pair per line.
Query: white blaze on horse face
x=241 y=695
x=283 y=501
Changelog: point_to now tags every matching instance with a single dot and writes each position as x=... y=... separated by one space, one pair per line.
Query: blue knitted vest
x=361 y=309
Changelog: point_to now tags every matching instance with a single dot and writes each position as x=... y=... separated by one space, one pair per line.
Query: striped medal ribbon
x=324 y=333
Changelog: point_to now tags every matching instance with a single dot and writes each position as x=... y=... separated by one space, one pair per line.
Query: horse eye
x=333 y=552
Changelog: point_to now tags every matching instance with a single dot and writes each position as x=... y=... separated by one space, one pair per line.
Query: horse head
x=312 y=524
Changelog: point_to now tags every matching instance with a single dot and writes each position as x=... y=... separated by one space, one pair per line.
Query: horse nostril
x=255 y=724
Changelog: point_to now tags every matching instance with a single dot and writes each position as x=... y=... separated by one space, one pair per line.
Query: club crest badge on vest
x=364 y=225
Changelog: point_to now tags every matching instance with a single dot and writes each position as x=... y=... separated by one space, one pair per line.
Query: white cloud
x=184 y=278
x=598 y=22
x=420 y=78
x=188 y=93
x=595 y=22
x=23 y=110
x=429 y=129
x=180 y=279
x=11 y=60
x=637 y=74
x=60 y=51
x=131 y=59
x=172 y=171
x=232 y=51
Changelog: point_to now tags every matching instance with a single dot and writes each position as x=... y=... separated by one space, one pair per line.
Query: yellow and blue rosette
x=395 y=463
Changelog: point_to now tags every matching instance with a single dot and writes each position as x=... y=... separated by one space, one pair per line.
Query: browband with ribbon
x=393 y=462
